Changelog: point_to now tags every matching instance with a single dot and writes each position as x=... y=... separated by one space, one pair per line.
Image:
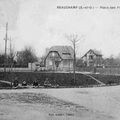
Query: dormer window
x=66 y=53
x=53 y=54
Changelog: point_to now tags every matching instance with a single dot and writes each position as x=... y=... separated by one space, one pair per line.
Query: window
x=53 y=54
x=66 y=53
x=91 y=57
x=50 y=62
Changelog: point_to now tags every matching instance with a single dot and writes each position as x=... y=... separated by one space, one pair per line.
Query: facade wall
x=66 y=65
x=49 y=64
x=63 y=65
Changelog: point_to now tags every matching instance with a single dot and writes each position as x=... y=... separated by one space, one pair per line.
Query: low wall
x=16 y=69
x=63 y=79
x=106 y=71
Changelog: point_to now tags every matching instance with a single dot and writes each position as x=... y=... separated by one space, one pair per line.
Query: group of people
x=35 y=83
x=46 y=83
x=24 y=83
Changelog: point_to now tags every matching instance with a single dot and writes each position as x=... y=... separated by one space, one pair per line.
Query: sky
x=40 y=24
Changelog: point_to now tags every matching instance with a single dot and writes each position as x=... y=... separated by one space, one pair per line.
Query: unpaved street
x=101 y=103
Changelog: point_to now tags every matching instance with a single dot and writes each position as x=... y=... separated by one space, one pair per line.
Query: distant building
x=92 y=58
x=59 y=58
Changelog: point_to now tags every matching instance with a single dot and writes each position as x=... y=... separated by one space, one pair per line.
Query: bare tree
x=74 y=39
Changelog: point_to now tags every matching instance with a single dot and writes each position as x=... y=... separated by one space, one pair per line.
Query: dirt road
x=60 y=104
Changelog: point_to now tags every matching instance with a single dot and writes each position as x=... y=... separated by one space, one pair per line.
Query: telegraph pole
x=10 y=62
x=74 y=61
x=10 y=55
x=5 y=59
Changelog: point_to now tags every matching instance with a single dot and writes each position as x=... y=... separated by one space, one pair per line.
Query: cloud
x=40 y=24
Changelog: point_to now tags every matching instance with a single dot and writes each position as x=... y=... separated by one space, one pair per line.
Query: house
x=59 y=58
x=92 y=58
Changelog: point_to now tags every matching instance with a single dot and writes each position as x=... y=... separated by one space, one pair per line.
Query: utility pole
x=10 y=62
x=5 y=59
x=10 y=46
x=10 y=55
x=74 y=60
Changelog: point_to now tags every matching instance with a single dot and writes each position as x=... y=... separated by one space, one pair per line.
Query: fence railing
x=109 y=71
x=15 y=66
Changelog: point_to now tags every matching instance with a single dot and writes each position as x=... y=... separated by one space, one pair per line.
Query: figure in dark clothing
x=24 y=83
x=35 y=83
x=15 y=82
x=47 y=83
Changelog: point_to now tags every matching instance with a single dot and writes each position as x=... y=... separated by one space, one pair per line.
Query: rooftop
x=66 y=52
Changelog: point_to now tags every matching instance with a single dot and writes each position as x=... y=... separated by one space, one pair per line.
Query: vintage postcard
x=59 y=60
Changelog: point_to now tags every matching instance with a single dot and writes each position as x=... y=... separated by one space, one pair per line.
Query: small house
x=59 y=58
x=92 y=58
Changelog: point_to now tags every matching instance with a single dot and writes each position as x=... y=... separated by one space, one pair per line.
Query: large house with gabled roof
x=92 y=58
x=59 y=58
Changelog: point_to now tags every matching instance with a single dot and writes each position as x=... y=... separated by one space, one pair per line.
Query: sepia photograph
x=59 y=60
